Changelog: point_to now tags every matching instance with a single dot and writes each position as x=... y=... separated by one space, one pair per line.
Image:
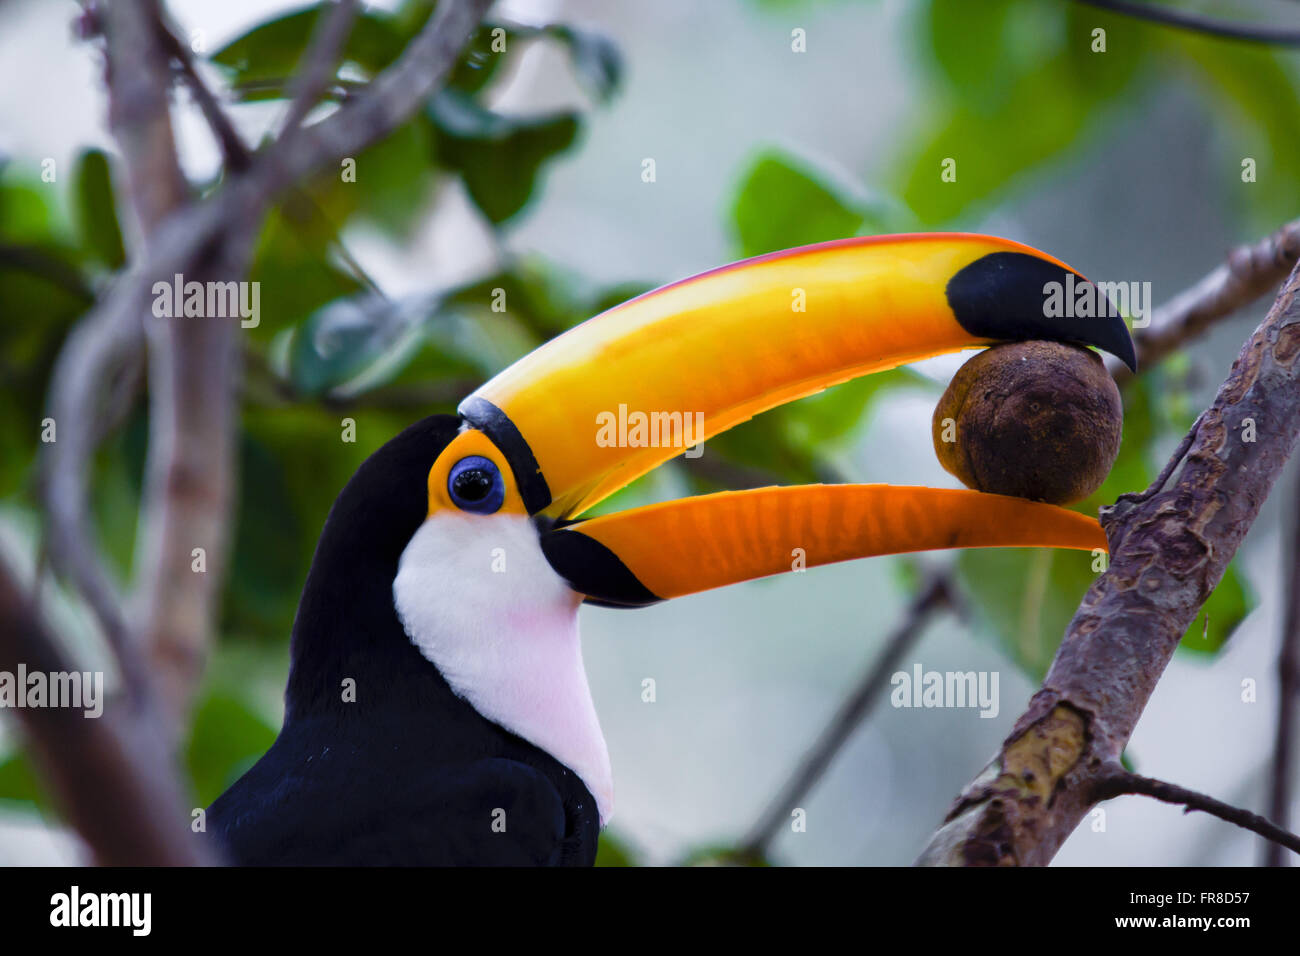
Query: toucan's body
x=392 y=768
x=437 y=710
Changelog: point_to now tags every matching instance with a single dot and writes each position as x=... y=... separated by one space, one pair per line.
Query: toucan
x=437 y=710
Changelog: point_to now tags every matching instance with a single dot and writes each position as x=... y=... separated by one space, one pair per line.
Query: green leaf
x=96 y=211
x=781 y=204
x=19 y=783
x=266 y=564
x=395 y=178
x=271 y=52
x=346 y=337
x=595 y=58
x=1021 y=85
x=969 y=42
x=293 y=265
x=987 y=152
x=26 y=216
x=480 y=62
x=43 y=290
x=613 y=850
x=498 y=157
x=1027 y=597
x=227 y=738
x=824 y=419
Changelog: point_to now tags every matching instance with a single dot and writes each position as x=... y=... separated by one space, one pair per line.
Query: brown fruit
x=1038 y=420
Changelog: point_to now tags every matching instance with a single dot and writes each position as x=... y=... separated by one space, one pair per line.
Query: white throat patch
x=476 y=595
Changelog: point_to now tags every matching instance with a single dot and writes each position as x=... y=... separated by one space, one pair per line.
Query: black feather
x=408 y=773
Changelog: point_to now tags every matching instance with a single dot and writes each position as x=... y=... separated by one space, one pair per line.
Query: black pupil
x=472 y=484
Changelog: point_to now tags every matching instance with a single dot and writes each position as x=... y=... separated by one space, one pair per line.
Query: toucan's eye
x=475 y=485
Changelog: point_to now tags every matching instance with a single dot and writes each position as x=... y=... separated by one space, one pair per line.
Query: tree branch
x=194 y=367
x=111 y=775
x=102 y=344
x=188 y=488
x=319 y=64
x=1288 y=692
x=385 y=103
x=1118 y=782
x=190 y=235
x=935 y=595
x=95 y=352
x=1168 y=551
x=114 y=775
x=1249 y=272
x=1196 y=23
x=234 y=151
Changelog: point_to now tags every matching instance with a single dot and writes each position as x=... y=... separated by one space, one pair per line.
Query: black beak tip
x=594 y=570
x=1015 y=296
x=1122 y=346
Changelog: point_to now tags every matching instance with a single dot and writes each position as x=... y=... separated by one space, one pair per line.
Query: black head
x=346 y=625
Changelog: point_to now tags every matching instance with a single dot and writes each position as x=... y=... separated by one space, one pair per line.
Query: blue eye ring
x=475 y=485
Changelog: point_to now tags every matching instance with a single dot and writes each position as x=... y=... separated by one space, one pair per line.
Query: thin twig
x=1199 y=24
x=383 y=104
x=90 y=356
x=1288 y=692
x=319 y=63
x=935 y=594
x=1116 y=782
x=188 y=477
x=1158 y=485
x=238 y=157
x=1249 y=273
x=49 y=267
x=234 y=151
x=241 y=202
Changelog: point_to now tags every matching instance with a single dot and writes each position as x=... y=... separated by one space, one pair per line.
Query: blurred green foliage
x=1012 y=87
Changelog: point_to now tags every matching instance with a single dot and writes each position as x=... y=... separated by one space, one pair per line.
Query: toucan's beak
x=604 y=403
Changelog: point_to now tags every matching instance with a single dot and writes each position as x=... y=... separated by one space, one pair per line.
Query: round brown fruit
x=1037 y=420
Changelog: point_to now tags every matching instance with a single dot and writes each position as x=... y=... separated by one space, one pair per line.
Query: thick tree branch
x=194 y=364
x=111 y=775
x=139 y=112
x=1168 y=551
x=1288 y=692
x=1118 y=782
x=189 y=476
x=103 y=345
x=127 y=811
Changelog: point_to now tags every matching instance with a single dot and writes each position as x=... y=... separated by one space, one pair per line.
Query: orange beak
x=611 y=399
